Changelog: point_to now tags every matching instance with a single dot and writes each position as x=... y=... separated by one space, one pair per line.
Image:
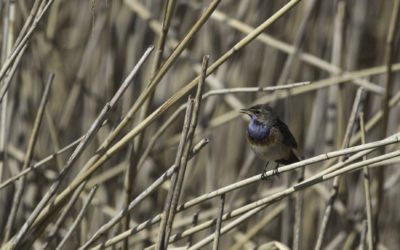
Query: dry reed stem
x=363 y=235
x=212 y=81
x=185 y=156
x=78 y=218
x=255 y=89
x=313 y=180
x=315 y=86
x=178 y=160
x=28 y=158
x=217 y=233
x=263 y=202
x=103 y=229
x=189 y=86
x=18 y=47
x=131 y=171
x=286 y=73
x=390 y=140
x=367 y=192
x=5 y=51
x=380 y=175
x=84 y=64
x=375 y=119
x=10 y=74
x=97 y=161
x=54 y=138
x=335 y=120
x=289 y=49
x=254 y=230
x=40 y=163
x=217 y=92
x=102 y=156
x=194 y=223
x=336 y=180
x=298 y=218
x=61 y=218
x=91 y=67
x=78 y=150
x=227 y=228
x=297 y=44
x=130 y=174
x=27 y=23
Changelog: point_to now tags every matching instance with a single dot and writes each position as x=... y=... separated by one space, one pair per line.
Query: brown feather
x=271 y=139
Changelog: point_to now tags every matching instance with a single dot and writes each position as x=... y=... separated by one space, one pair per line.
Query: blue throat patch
x=257 y=131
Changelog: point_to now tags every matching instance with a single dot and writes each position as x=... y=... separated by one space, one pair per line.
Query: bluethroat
x=269 y=137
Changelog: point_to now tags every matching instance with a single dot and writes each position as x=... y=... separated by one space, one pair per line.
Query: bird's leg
x=263 y=175
x=275 y=171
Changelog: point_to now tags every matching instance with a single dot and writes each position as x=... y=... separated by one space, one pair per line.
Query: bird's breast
x=267 y=140
x=270 y=147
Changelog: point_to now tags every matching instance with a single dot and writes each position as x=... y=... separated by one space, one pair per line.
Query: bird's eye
x=256 y=112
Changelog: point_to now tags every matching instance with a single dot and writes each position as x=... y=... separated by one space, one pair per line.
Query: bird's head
x=261 y=113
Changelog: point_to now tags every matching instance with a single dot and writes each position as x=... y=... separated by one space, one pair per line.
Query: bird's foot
x=264 y=177
x=276 y=172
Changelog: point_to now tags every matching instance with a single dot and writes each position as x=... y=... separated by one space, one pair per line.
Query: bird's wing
x=288 y=138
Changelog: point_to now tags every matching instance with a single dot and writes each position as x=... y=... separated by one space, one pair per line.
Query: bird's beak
x=245 y=111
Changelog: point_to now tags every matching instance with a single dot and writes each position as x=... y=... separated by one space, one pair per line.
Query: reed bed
x=120 y=125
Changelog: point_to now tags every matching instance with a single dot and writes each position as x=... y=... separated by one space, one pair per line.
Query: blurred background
x=92 y=45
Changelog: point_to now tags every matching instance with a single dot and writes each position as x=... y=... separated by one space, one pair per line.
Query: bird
x=269 y=137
